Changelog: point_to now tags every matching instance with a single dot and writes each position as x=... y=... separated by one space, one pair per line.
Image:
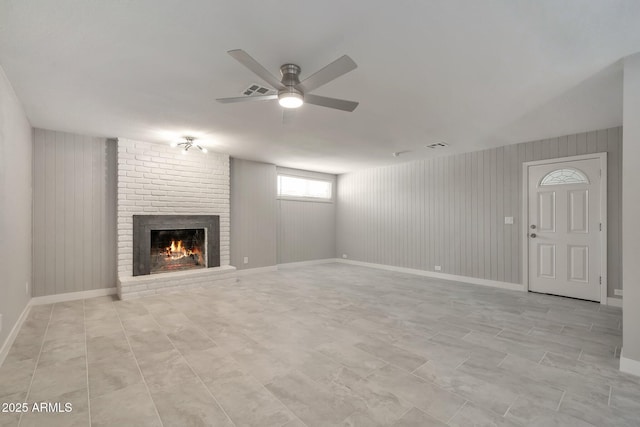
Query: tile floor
x=324 y=345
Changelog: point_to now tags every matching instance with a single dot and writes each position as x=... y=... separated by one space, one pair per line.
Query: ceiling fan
x=292 y=92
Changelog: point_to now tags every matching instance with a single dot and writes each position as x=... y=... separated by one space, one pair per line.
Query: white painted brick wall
x=156 y=179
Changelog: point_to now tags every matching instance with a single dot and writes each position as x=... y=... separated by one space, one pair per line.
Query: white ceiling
x=475 y=74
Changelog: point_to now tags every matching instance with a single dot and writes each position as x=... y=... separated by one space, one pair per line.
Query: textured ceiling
x=475 y=74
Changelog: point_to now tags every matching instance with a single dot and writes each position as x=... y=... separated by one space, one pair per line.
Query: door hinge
x=600 y=226
x=601 y=280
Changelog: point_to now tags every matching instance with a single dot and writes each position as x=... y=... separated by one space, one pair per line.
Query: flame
x=177 y=247
x=177 y=250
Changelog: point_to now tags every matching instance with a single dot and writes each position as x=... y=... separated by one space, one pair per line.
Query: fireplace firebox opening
x=173 y=250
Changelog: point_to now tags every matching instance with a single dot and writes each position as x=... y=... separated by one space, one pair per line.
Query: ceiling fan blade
x=247 y=99
x=323 y=101
x=245 y=59
x=340 y=66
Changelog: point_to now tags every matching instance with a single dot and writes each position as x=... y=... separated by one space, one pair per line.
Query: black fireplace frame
x=143 y=224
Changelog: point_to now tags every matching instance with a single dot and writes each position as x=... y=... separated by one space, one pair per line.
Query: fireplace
x=173 y=250
x=168 y=243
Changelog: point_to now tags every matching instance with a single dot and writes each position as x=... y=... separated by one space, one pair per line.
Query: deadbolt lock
x=533 y=226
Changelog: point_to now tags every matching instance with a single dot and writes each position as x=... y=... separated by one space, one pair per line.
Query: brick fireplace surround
x=155 y=179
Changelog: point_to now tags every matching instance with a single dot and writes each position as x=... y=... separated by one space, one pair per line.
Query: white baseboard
x=249 y=271
x=629 y=366
x=72 y=296
x=614 y=302
x=443 y=276
x=6 y=346
x=305 y=263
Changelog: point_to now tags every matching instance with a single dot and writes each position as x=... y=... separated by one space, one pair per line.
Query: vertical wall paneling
x=306 y=230
x=450 y=210
x=74 y=228
x=253 y=214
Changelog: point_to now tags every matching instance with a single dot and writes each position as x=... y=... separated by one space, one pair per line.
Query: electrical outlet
x=246 y=260
x=617 y=292
x=344 y=256
x=508 y=220
x=438 y=267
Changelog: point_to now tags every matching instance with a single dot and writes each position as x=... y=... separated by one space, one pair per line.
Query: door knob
x=533 y=235
x=533 y=226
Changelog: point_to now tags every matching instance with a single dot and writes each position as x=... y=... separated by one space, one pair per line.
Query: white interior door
x=564 y=229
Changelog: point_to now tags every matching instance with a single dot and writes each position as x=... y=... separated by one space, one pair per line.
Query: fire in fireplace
x=173 y=250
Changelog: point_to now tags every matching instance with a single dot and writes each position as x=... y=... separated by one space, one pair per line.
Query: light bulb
x=173 y=144
x=290 y=98
x=204 y=150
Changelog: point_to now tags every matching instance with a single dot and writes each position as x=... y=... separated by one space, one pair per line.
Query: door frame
x=603 y=216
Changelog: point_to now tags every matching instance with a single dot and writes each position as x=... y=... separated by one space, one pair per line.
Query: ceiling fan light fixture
x=188 y=143
x=290 y=98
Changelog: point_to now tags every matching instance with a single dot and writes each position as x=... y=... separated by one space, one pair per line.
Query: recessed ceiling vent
x=438 y=145
x=256 y=89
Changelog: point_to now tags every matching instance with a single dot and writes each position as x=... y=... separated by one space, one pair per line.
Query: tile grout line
x=457 y=412
x=503 y=359
x=86 y=357
x=403 y=414
x=561 y=399
x=190 y=368
x=37 y=361
x=126 y=337
x=462 y=363
x=509 y=408
x=436 y=385
x=414 y=371
x=542 y=358
x=312 y=379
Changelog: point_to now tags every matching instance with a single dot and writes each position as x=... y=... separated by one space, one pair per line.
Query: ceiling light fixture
x=290 y=98
x=188 y=144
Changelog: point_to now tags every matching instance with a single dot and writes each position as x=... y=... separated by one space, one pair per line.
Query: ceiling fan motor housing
x=290 y=74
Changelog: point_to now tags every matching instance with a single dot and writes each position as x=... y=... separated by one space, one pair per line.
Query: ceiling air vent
x=438 y=145
x=256 y=89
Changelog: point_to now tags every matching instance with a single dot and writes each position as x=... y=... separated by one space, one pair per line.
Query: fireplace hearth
x=168 y=243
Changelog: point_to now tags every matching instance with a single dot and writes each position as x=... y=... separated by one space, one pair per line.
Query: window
x=564 y=176
x=297 y=187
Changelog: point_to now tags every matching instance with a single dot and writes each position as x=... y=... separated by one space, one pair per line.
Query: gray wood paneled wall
x=274 y=231
x=74 y=213
x=253 y=214
x=449 y=211
x=306 y=229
